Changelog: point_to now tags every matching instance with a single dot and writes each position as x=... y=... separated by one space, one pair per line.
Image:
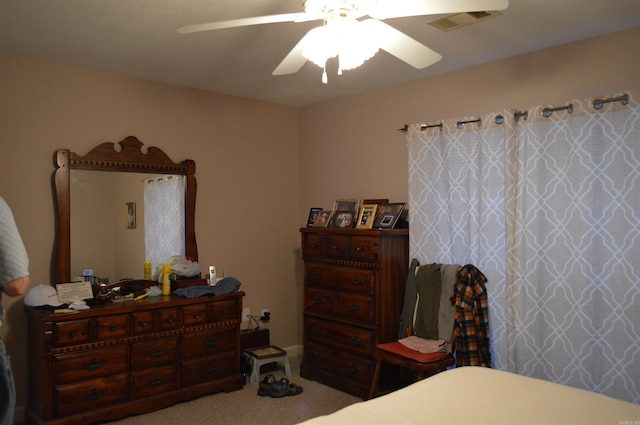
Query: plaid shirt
x=471 y=329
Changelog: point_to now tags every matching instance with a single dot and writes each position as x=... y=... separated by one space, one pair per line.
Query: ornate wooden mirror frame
x=107 y=157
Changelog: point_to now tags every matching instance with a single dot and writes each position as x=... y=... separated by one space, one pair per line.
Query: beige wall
x=351 y=147
x=260 y=166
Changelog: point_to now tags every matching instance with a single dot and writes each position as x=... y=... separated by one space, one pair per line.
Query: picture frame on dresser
x=323 y=218
x=343 y=219
x=313 y=214
x=388 y=215
x=366 y=216
x=346 y=205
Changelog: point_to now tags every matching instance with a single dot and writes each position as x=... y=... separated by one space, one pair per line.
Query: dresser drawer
x=363 y=248
x=337 y=246
x=168 y=319
x=354 y=306
x=209 y=342
x=349 y=279
x=89 y=395
x=224 y=311
x=203 y=369
x=321 y=276
x=320 y=300
x=341 y=336
x=142 y=322
x=313 y=245
x=194 y=314
x=153 y=353
x=150 y=382
x=69 y=368
x=115 y=326
x=355 y=367
x=322 y=357
x=71 y=332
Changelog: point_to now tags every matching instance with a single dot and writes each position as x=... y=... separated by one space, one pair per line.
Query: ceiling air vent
x=459 y=20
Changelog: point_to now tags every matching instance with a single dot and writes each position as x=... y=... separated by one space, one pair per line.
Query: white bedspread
x=477 y=396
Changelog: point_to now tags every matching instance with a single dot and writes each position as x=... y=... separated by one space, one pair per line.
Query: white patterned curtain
x=553 y=213
x=164 y=218
x=457 y=207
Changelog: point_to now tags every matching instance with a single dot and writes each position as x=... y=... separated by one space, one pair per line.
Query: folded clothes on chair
x=423 y=345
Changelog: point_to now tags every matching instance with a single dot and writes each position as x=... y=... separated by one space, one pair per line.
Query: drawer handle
x=353 y=368
x=144 y=324
x=358 y=248
x=356 y=341
x=170 y=319
x=319 y=357
x=93 y=364
x=113 y=328
x=93 y=395
x=156 y=352
x=196 y=315
x=156 y=381
x=73 y=334
x=318 y=276
x=356 y=282
x=354 y=307
x=314 y=245
x=318 y=331
x=319 y=300
x=335 y=247
x=211 y=342
x=225 y=311
x=211 y=368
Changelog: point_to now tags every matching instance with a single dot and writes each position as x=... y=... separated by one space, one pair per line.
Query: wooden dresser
x=133 y=357
x=353 y=293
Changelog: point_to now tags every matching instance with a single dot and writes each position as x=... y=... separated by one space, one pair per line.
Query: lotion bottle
x=166 y=283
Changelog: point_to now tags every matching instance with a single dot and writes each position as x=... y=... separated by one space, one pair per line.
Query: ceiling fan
x=344 y=34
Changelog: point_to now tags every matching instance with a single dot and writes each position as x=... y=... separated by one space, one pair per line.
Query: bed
x=477 y=395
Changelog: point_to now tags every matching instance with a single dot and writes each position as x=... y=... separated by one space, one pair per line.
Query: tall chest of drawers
x=129 y=358
x=353 y=292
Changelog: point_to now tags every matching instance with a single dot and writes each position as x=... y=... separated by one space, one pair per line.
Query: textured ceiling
x=138 y=38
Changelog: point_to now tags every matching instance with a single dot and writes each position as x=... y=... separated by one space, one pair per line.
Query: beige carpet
x=245 y=407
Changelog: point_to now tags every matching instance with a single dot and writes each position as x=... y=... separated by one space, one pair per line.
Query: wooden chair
x=396 y=353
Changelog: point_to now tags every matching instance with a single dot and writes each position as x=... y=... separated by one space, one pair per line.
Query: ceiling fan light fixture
x=343 y=37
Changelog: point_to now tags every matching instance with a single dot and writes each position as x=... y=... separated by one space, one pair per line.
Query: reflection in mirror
x=97 y=207
x=112 y=230
x=101 y=236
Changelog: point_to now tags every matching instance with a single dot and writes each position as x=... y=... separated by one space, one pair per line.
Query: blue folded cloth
x=224 y=286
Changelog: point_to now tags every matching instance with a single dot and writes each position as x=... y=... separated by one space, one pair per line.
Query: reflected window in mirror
x=164 y=218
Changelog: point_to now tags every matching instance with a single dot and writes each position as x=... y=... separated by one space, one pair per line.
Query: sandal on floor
x=265 y=385
x=279 y=388
x=294 y=389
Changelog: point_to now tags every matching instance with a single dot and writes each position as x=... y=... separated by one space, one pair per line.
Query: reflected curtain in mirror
x=164 y=218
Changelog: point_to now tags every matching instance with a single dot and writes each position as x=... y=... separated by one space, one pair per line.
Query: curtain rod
x=546 y=112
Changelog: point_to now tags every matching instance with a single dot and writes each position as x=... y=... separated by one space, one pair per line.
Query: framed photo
x=347 y=205
x=388 y=215
x=131 y=215
x=343 y=219
x=367 y=216
x=313 y=213
x=322 y=218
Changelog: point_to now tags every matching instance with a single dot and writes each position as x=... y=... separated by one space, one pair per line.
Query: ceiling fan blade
x=294 y=59
x=397 y=9
x=258 y=20
x=401 y=45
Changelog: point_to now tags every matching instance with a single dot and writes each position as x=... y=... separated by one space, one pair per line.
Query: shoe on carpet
x=265 y=385
x=283 y=388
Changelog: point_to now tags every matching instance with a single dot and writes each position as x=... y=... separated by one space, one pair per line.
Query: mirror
x=123 y=157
